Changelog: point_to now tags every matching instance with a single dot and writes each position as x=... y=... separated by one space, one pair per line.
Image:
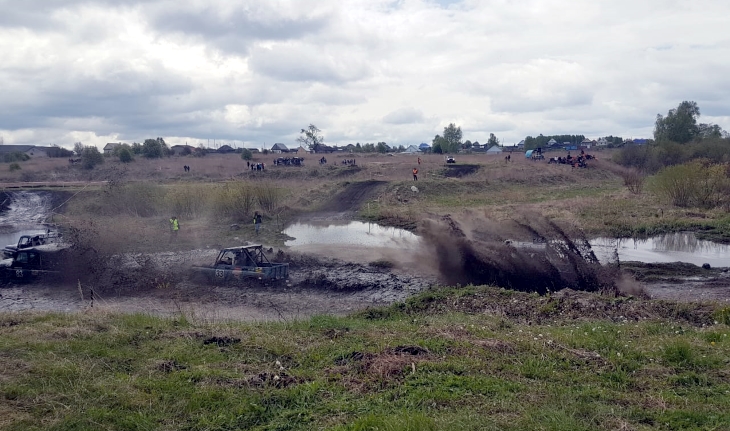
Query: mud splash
x=470 y=249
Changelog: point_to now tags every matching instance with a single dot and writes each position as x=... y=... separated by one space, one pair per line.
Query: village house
x=182 y=150
x=109 y=148
x=279 y=148
x=31 y=150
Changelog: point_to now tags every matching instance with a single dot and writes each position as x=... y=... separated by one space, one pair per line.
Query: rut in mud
x=353 y=196
x=459 y=171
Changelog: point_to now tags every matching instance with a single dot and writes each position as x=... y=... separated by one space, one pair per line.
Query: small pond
x=353 y=233
x=673 y=247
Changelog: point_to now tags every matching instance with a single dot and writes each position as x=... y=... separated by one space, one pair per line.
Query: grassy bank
x=476 y=358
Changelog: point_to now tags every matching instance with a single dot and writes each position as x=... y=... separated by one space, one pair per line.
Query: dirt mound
x=352 y=196
x=459 y=171
x=530 y=254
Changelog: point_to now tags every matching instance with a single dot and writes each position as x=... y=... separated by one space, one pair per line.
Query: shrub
x=189 y=200
x=90 y=157
x=633 y=180
x=267 y=196
x=14 y=167
x=692 y=184
x=246 y=154
x=15 y=156
x=234 y=200
x=125 y=155
x=140 y=199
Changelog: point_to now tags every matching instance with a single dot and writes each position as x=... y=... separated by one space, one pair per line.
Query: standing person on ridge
x=257 y=222
x=415 y=174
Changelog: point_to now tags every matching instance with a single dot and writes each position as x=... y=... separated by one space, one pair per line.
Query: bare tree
x=311 y=137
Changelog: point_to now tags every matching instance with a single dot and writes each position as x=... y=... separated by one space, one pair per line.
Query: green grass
x=435 y=362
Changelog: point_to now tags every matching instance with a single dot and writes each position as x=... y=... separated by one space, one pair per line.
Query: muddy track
x=353 y=196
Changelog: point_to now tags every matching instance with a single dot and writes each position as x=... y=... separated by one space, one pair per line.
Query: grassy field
x=466 y=359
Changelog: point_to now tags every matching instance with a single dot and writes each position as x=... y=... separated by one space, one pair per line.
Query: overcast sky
x=259 y=71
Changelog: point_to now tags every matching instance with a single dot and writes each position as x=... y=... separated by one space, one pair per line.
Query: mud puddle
x=23 y=213
x=674 y=247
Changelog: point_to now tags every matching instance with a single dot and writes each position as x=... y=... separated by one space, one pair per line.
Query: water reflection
x=349 y=233
x=673 y=247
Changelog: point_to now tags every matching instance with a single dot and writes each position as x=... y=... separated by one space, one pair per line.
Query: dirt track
x=352 y=197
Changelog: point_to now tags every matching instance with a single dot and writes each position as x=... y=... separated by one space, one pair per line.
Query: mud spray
x=529 y=253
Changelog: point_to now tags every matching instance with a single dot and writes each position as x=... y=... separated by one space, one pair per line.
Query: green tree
x=154 y=148
x=382 y=147
x=492 y=141
x=467 y=144
x=452 y=136
x=125 y=155
x=56 y=151
x=90 y=157
x=78 y=148
x=711 y=131
x=680 y=124
x=440 y=145
x=246 y=154
x=311 y=137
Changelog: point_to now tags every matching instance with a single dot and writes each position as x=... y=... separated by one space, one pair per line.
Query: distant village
x=33 y=151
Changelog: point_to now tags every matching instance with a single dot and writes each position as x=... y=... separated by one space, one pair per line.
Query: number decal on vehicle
x=220 y=273
x=19 y=273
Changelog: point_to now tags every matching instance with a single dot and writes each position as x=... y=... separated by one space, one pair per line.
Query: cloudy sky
x=258 y=71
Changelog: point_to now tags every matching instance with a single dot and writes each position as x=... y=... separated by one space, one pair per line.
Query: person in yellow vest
x=174 y=226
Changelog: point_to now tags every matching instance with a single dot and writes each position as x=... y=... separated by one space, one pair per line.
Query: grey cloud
x=234 y=30
x=404 y=116
x=307 y=63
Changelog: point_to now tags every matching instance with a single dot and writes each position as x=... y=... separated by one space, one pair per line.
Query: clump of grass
x=234 y=200
x=679 y=354
x=268 y=196
x=188 y=200
x=722 y=316
x=382 y=263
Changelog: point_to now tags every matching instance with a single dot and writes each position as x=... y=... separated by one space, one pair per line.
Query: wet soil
x=352 y=196
x=316 y=286
x=459 y=171
x=680 y=281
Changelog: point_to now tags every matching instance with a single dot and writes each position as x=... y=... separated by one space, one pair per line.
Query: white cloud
x=362 y=70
